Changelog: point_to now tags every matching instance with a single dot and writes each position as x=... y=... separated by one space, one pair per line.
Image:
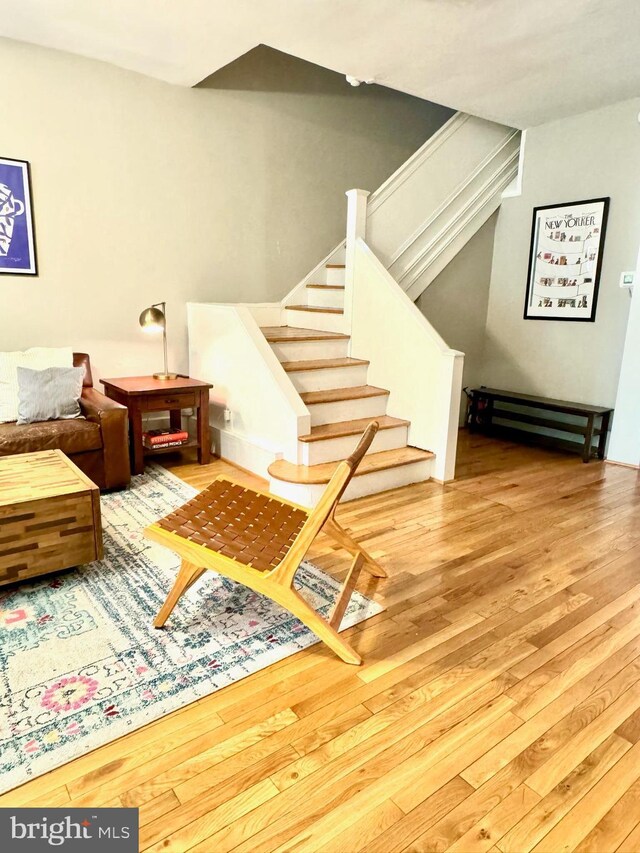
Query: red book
x=165 y=444
x=162 y=436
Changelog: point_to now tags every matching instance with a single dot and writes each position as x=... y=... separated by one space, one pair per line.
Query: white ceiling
x=520 y=62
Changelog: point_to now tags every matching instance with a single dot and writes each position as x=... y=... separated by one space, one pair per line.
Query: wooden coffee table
x=49 y=515
x=142 y=394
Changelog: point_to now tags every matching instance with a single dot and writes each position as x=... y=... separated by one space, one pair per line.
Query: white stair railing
x=408 y=357
x=425 y=213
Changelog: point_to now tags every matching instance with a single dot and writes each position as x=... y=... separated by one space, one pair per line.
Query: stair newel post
x=356 y=228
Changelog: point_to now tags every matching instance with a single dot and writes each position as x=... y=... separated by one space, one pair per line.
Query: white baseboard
x=236 y=449
x=623 y=464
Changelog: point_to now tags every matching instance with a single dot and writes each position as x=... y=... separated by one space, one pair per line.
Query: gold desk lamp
x=152 y=320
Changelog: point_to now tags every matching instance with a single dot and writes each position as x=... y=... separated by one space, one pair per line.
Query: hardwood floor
x=497 y=709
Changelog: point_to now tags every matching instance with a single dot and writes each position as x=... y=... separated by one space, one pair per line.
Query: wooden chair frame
x=277 y=583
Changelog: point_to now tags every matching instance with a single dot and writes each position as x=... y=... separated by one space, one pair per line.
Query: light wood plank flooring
x=498 y=708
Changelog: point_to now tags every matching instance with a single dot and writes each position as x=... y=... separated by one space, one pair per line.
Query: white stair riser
x=312 y=320
x=323 y=297
x=331 y=377
x=310 y=350
x=391 y=478
x=335 y=449
x=335 y=276
x=367 y=484
x=347 y=410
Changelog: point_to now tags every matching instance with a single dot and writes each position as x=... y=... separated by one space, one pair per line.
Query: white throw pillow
x=36 y=358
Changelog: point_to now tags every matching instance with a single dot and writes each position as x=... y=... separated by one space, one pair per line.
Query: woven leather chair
x=259 y=541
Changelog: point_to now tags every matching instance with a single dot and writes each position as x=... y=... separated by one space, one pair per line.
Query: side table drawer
x=169 y=401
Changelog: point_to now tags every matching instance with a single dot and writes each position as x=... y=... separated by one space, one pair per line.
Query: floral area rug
x=81 y=664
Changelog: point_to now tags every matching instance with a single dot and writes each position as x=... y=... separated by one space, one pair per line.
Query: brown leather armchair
x=98 y=442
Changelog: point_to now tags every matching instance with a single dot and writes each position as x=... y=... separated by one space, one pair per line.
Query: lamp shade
x=152 y=319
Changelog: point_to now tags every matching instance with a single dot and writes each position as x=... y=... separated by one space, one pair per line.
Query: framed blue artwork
x=17 y=240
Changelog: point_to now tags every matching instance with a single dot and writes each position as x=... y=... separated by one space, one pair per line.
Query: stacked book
x=157 y=439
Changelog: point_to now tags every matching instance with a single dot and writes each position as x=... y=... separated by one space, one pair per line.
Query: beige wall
x=456 y=301
x=143 y=191
x=586 y=156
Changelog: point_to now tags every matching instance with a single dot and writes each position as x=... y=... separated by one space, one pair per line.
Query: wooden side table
x=142 y=394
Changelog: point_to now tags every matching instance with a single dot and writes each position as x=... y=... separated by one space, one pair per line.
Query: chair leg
x=344 y=597
x=187 y=576
x=337 y=532
x=296 y=605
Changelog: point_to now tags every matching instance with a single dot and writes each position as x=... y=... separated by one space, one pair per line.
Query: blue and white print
x=17 y=245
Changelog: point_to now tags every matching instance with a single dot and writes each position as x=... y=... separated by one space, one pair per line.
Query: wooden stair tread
x=321 y=364
x=283 y=334
x=335 y=266
x=326 y=286
x=314 y=309
x=338 y=395
x=318 y=474
x=354 y=427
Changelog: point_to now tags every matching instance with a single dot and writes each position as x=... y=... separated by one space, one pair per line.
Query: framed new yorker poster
x=565 y=260
x=17 y=240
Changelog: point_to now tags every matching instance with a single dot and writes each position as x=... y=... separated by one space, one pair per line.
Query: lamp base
x=165 y=375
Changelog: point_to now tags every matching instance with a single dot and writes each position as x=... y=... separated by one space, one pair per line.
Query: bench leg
x=604 y=429
x=187 y=576
x=488 y=414
x=473 y=414
x=588 y=439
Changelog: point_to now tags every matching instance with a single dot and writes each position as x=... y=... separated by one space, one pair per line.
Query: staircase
x=333 y=386
x=323 y=309
x=297 y=381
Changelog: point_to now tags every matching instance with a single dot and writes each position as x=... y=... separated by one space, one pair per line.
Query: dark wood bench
x=485 y=409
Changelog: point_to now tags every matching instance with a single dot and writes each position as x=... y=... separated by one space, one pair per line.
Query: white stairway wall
x=432 y=206
x=227 y=348
x=624 y=444
x=408 y=357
